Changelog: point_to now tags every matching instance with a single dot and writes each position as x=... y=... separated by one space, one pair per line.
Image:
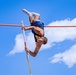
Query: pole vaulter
x=26 y=52
x=22 y=24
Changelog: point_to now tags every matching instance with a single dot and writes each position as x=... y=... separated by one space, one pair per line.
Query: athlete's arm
x=28 y=28
x=35 y=51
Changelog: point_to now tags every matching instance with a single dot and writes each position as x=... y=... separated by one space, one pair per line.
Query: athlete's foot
x=25 y=11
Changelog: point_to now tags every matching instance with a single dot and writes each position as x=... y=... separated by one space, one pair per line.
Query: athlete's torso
x=38 y=24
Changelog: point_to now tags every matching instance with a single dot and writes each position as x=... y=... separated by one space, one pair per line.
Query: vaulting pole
x=26 y=52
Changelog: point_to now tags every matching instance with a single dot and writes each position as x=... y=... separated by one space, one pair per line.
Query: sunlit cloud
x=68 y=57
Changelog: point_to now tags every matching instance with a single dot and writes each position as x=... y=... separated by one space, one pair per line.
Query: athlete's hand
x=27 y=50
x=23 y=27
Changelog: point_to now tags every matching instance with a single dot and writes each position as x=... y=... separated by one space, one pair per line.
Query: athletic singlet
x=38 y=24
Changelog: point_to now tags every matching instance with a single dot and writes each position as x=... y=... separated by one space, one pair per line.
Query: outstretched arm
x=35 y=51
x=27 y=28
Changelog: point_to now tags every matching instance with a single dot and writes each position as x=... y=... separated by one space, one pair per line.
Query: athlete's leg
x=31 y=19
x=32 y=15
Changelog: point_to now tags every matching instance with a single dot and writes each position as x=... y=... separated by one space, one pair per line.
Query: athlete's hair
x=45 y=40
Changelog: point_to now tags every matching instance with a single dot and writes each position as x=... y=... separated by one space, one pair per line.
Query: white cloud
x=19 y=45
x=68 y=57
x=53 y=35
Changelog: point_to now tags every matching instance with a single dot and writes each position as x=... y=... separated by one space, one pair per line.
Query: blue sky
x=57 y=57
